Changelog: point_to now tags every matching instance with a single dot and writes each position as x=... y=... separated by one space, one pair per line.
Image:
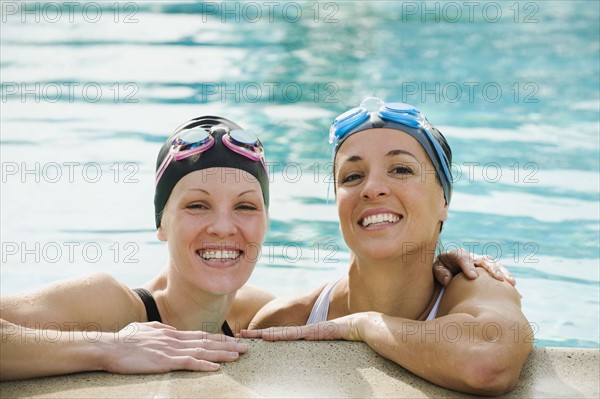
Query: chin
x=225 y=286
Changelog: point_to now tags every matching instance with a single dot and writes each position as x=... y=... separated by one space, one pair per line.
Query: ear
x=160 y=233
x=443 y=215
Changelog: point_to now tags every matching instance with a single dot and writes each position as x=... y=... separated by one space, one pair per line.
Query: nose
x=374 y=187
x=222 y=224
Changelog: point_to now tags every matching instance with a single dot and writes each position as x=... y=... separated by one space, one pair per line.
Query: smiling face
x=389 y=202
x=214 y=224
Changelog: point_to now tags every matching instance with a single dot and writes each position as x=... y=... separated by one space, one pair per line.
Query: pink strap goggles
x=198 y=140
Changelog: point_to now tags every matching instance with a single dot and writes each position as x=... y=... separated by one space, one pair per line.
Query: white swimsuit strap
x=321 y=307
x=434 y=310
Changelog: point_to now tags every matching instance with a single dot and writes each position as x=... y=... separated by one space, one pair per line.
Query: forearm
x=458 y=351
x=28 y=353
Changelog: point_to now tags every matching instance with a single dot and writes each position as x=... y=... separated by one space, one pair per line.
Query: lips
x=222 y=255
x=379 y=219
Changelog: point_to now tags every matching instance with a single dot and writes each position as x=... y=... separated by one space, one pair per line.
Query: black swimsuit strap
x=150 y=304
x=226 y=329
x=152 y=313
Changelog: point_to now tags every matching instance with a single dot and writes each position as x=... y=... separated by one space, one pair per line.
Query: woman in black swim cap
x=211 y=198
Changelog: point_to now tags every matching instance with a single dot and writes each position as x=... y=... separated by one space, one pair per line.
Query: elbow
x=490 y=375
x=491 y=381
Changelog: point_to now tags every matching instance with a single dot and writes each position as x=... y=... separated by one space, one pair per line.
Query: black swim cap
x=218 y=156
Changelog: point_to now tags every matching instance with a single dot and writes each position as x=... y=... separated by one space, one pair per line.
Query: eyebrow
x=393 y=153
x=207 y=193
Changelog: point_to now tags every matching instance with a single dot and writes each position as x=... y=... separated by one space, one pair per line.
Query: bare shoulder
x=248 y=300
x=482 y=294
x=286 y=311
x=96 y=301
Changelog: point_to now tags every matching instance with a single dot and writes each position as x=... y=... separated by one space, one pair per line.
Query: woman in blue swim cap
x=393 y=188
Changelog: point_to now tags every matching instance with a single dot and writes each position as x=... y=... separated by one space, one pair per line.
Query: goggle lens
x=191 y=138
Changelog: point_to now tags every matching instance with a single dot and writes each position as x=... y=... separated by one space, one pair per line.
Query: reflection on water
x=516 y=96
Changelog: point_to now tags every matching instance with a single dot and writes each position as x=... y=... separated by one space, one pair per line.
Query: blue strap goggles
x=374 y=113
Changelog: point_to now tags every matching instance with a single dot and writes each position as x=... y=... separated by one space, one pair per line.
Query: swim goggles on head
x=198 y=140
x=374 y=113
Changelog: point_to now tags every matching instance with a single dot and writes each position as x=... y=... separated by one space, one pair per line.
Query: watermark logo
x=455 y=92
x=253 y=92
x=71 y=172
x=69 y=11
x=53 y=92
x=469 y=171
x=469 y=11
x=270 y=11
x=69 y=252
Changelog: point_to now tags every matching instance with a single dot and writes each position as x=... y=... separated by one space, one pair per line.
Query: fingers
x=277 y=333
x=157 y=324
x=251 y=333
x=201 y=335
x=282 y=333
x=319 y=331
x=442 y=274
x=164 y=329
x=214 y=356
x=491 y=265
x=237 y=347
x=509 y=277
x=158 y=348
x=192 y=364
x=456 y=261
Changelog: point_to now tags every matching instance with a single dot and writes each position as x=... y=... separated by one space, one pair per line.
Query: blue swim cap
x=373 y=113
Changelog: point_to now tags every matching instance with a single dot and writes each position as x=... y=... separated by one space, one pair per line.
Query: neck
x=401 y=287
x=186 y=308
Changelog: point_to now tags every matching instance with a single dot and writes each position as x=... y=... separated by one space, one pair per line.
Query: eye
x=402 y=170
x=196 y=205
x=351 y=177
x=247 y=207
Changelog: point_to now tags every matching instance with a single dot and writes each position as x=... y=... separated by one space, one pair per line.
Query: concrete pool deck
x=316 y=370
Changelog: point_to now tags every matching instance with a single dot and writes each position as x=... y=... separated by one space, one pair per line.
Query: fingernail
x=446 y=280
x=499 y=274
x=473 y=273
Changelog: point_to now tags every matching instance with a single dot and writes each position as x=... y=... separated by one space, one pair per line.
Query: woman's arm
x=285 y=311
x=139 y=348
x=478 y=344
x=90 y=324
x=248 y=301
x=95 y=302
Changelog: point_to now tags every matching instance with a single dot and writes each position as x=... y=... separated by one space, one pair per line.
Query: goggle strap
x=163 y=166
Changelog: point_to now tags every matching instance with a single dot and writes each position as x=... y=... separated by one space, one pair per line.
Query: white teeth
x=381 y=218
x=219 y=255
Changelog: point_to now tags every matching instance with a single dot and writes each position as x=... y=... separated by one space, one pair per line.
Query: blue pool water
x=90 y=92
